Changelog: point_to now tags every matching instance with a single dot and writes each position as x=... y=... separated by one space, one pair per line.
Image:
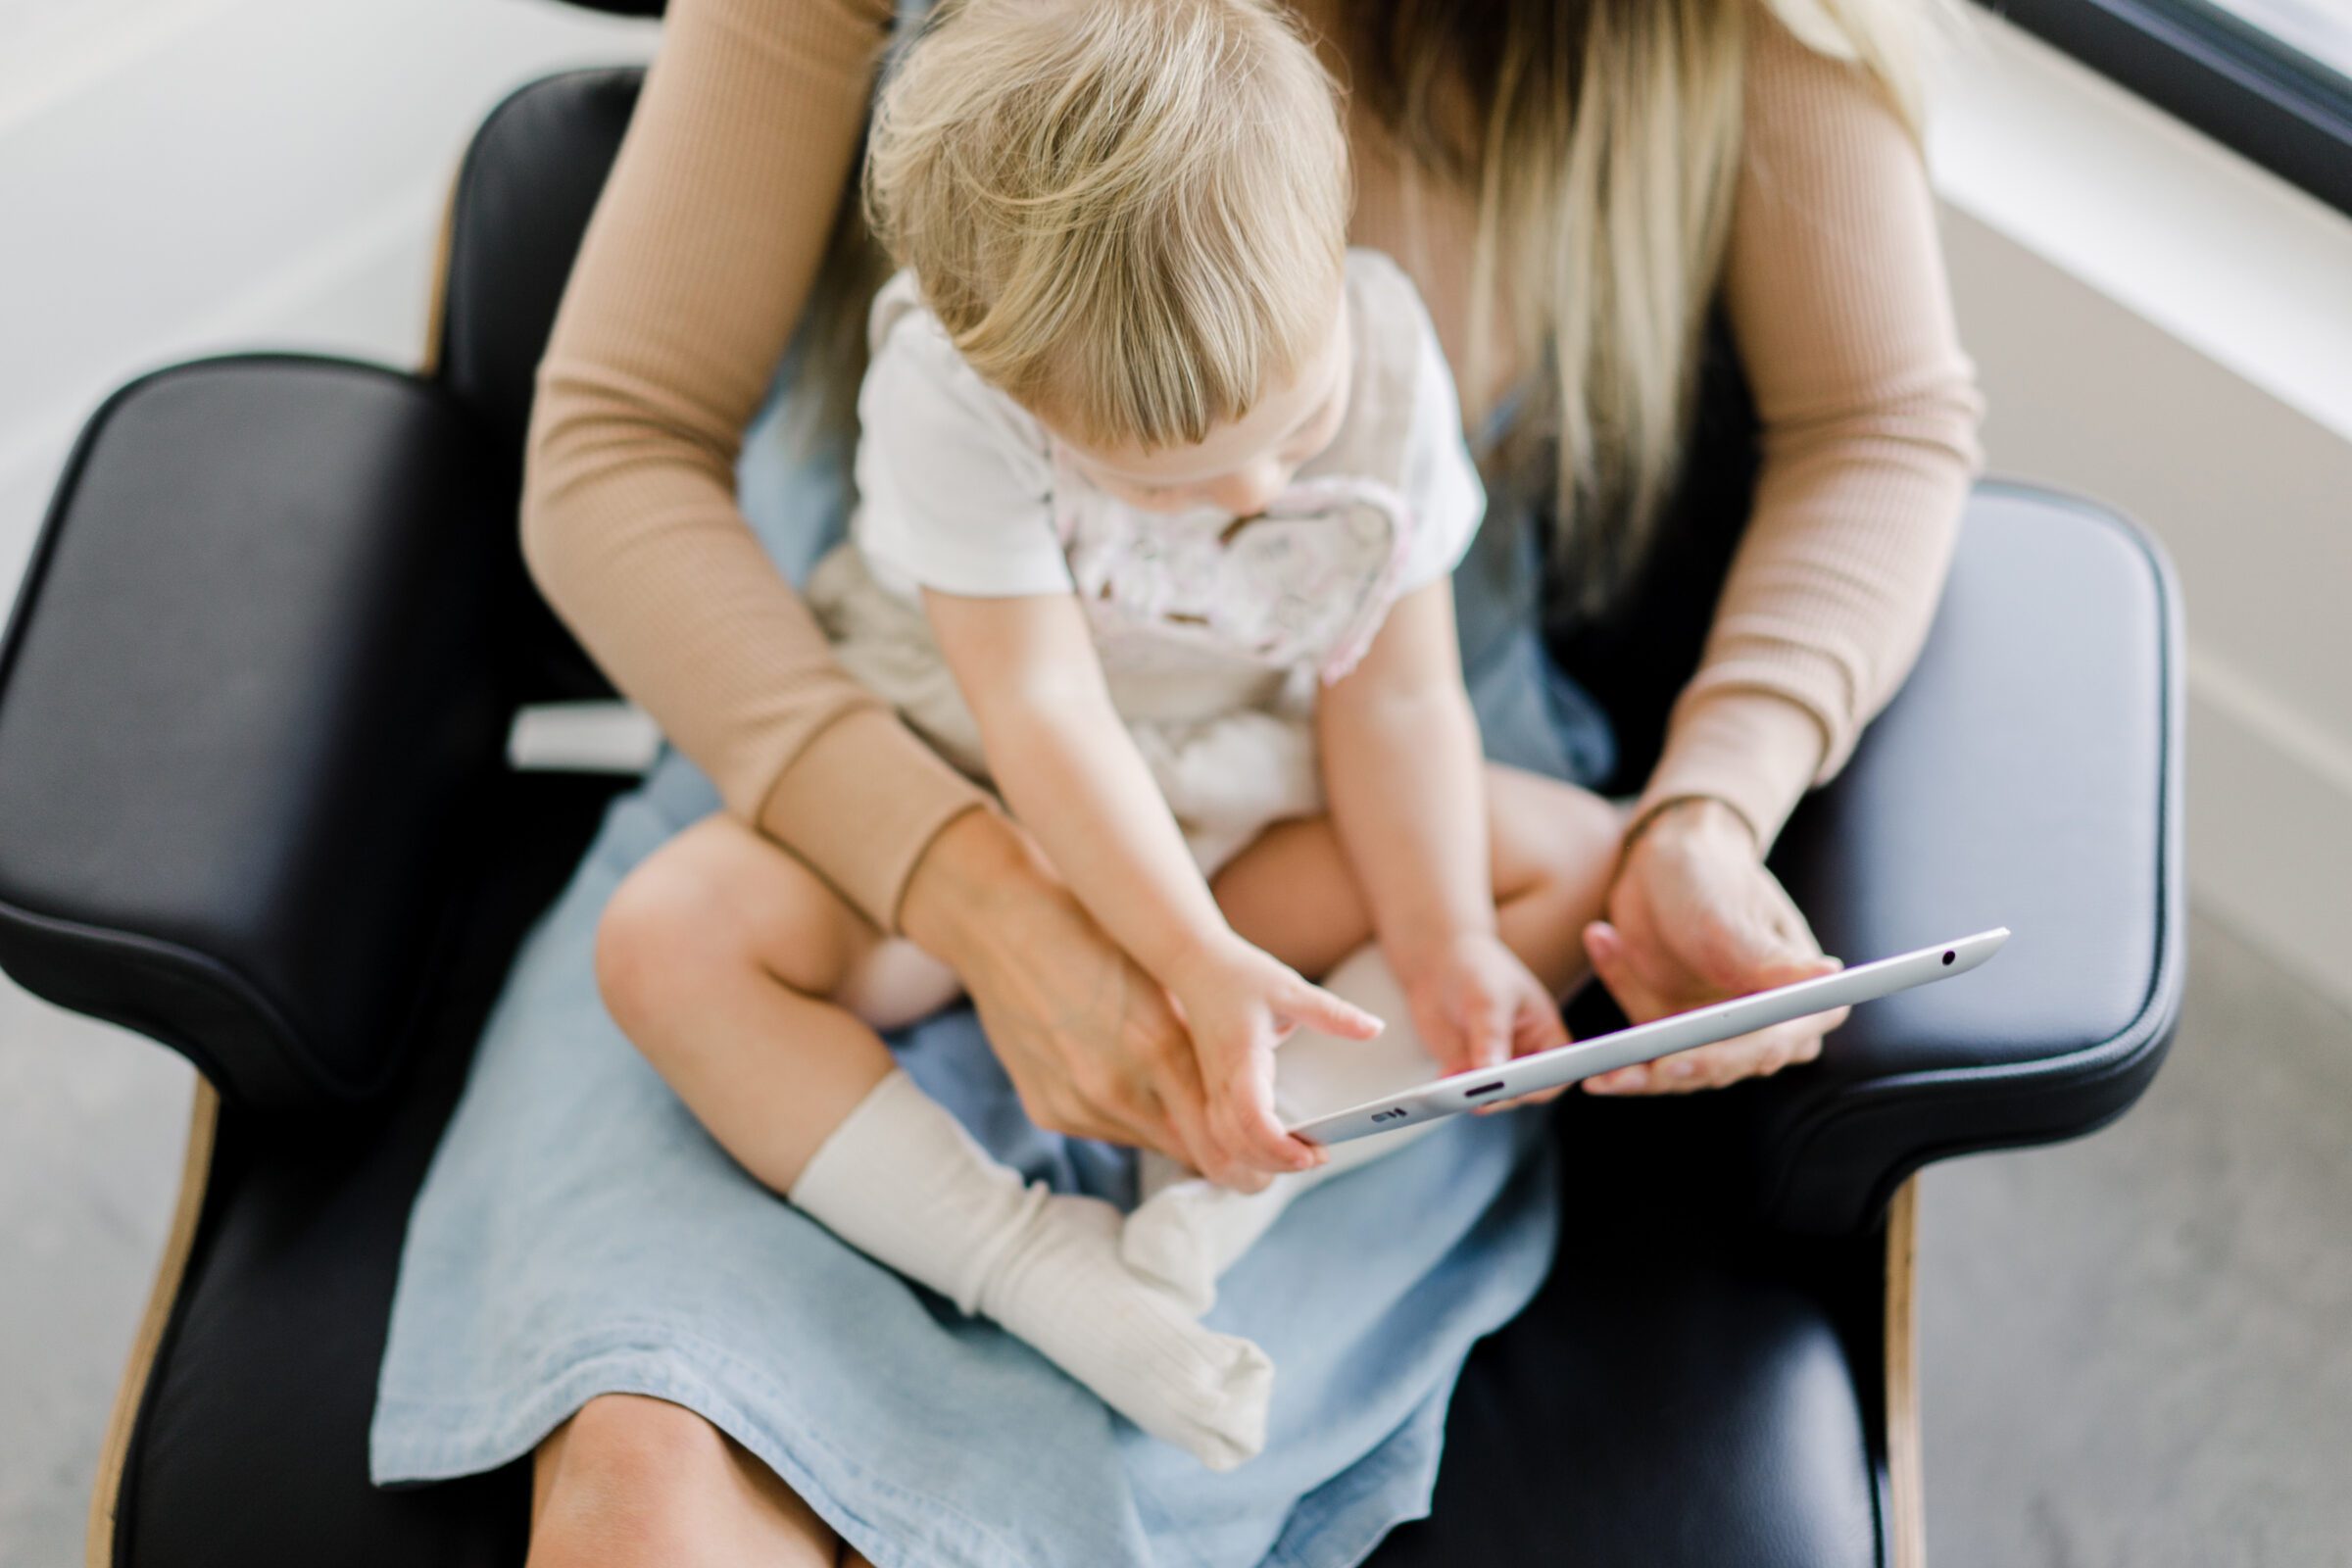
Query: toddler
x=1160 y=488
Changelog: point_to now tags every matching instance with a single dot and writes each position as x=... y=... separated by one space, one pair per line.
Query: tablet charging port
x=1482 y=1088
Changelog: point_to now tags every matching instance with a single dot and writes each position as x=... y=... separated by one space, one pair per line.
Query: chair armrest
x=249 y=679
x=2028 y=775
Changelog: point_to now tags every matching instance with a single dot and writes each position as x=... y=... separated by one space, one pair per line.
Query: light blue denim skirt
x=579 y=1234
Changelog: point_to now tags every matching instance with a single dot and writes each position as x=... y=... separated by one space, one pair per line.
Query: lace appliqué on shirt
x=1306 y=583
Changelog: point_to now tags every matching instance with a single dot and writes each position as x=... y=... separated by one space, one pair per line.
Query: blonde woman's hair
x=1601 y=139
x=1129 y=215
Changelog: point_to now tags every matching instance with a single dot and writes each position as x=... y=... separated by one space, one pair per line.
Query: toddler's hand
x=1477 y=1006
x=1239 y=1004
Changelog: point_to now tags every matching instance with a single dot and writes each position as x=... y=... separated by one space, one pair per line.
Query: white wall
x=2162 y=325
x=183 y=176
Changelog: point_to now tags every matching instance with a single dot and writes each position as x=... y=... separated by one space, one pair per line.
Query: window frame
x=2254 y=94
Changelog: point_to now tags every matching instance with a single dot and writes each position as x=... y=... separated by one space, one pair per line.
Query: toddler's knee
x=1591 y=827
x=1568 y=839
x=653 y=929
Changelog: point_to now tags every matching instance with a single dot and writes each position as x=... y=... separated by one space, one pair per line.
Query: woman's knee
x=639 y=1439
x=631 y=1481
x=630 y=1477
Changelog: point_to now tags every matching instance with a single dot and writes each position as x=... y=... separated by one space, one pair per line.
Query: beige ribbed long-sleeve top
x=701 y=253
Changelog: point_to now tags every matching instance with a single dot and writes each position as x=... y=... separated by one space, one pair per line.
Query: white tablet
x=1589 y=1058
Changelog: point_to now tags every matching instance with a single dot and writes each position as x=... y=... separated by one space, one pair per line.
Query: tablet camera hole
x=1948 y=957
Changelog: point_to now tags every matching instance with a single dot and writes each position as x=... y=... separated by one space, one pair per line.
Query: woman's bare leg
x=631 y=1481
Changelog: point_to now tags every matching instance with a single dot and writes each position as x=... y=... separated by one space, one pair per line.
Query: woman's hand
x=1477 y=1006
x=1089 y=1040
x=1239 y=1004
x=1695 y=917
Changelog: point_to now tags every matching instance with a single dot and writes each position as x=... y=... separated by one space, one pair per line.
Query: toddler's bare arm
x=1071 y=771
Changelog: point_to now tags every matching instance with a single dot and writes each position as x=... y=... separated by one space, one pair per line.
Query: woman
x=1570 y=185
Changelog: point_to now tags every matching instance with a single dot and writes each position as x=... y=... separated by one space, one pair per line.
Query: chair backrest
x=531 y=181
x=526 y=188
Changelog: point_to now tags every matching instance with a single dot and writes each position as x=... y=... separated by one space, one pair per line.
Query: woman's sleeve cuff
x=1754 y=751
x=861 y=805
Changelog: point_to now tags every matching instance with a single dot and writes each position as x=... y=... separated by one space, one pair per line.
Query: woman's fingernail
x=1683 y=1069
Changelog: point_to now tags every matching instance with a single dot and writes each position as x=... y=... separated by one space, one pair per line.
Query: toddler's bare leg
x=1294 y=893
x=718 y=955
x=1552 y=847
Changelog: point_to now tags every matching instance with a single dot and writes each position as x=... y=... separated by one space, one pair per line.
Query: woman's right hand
x=1090 y=1041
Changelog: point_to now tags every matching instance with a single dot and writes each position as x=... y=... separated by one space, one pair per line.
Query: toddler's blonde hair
x=1129 y=215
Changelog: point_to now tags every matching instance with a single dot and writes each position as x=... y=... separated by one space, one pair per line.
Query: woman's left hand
x=1695 y=918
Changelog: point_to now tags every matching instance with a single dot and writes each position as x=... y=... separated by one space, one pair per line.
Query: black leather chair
x=253 y=803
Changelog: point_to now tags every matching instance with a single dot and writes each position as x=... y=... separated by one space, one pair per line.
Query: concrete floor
x=92 y=1124
x=2138 y=1347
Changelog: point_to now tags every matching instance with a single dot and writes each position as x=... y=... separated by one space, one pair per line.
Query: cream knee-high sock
x=1188 y=1230
x=903 y=1182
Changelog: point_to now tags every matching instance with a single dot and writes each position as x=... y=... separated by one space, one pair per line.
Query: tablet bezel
x=1578 y=1061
